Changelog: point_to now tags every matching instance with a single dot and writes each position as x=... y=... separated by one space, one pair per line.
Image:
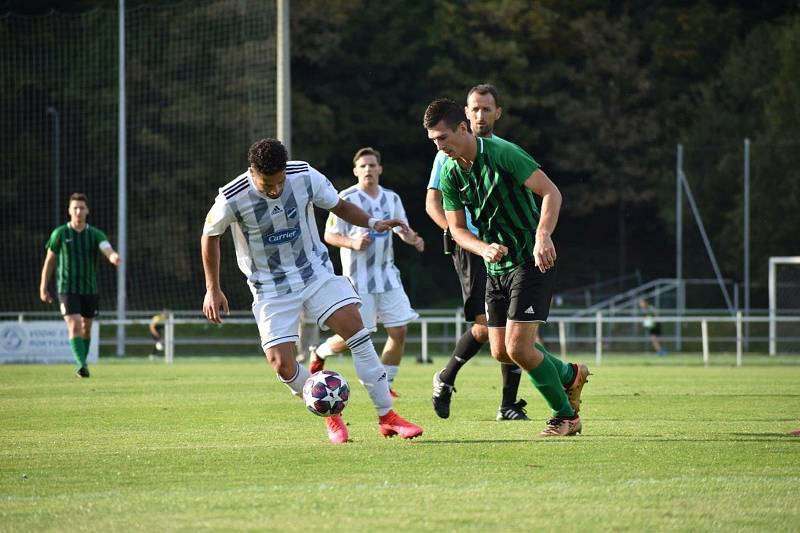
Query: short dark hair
x=485 y=88
x=367 y=150
x=444 y=109
x=267 y=156
x=79 y=197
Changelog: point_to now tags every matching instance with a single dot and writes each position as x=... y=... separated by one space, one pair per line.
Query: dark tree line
x=599 y=92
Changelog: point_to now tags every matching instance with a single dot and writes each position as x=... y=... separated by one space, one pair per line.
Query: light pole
x=56 y=164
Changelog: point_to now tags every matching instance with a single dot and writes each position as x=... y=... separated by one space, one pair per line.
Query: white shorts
x=390 y=308
x=278 y=317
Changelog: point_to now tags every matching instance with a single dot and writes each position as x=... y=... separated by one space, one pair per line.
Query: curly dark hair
x=445 y=109
x=267 y=156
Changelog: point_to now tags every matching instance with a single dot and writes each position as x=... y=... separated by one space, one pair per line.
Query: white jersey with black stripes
x=371 y=270
x=277 y=241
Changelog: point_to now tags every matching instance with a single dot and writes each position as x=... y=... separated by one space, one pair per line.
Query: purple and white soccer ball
x=326 y=393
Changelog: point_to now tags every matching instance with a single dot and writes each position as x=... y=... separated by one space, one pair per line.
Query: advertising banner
x=41 y=342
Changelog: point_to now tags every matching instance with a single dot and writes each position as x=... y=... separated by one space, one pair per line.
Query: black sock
x=511 y=376
x=466 y=347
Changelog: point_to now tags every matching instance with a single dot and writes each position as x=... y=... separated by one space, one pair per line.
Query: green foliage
x=754 y=97
x=224 y=446
x=598 y=92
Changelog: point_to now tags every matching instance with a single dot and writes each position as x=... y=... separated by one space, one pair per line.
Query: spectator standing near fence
x=73 y=251
x=367 y=258
x=270 y=209
x=156 y=329
x=652 y=327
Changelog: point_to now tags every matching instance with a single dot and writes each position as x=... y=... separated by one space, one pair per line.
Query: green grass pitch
x=208 y=445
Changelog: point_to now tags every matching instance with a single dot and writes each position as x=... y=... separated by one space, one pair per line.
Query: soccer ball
x=326 y=393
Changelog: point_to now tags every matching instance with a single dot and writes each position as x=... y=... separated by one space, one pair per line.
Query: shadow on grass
x=734 y=437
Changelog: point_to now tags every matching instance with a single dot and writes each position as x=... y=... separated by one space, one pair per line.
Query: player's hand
x=419 y=244
x=213 y=302
x=544 y=253
x=389 y=223
x=360 y=242
x=494 y=252
x=115 y=259
x=44 y=295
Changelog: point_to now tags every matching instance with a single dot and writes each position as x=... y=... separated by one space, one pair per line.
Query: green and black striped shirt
x=78 y=253
x=493 y=191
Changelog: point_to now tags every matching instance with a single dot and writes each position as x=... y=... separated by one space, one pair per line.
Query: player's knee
x=283 y=366
x=397 y=334
x=499 y=353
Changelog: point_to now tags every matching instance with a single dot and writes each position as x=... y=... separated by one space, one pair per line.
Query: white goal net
x=784 y=302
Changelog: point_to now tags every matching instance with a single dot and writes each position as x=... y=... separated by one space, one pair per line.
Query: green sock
x=86 y=343
x=546 y=380
x=76 y=345
x=566 y=372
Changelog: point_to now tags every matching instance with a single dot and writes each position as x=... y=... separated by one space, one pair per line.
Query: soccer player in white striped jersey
x=270 y=209
x=368 y=262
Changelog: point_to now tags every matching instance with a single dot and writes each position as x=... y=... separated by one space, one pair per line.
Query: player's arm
x=47 y=272
x=360 y=242
x=356 y=216
x=338 y=233
x=544 y=251
x=457 y=222
x=214 y=299
x=407 y=235
x=108 y=251
x=413 y=238
x=433 y=206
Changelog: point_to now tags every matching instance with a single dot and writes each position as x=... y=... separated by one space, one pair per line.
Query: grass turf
x=221 y=445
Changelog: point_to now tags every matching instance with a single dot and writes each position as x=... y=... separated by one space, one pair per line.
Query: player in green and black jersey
x=495 y=181
x=76 y=247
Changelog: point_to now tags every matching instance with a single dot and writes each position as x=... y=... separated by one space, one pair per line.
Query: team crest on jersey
x=282 y=236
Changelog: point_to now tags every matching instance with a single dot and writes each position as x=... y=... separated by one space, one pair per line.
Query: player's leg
x=573 y=376
x=278 y=320
x=86 y=335
x=529 y=293
x=497 y=309
x=335 y=305
x=472 y=277
x=395 y=313
x=393 y=353
x=73 y=322
x=333 y=345
x=90 y=309
x=70 y=306
x=336 y=344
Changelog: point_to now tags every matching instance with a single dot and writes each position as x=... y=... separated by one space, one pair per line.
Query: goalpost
x=784 y=294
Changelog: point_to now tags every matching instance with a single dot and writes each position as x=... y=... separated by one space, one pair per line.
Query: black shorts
x=86 y=305
x=471 y=272
x=655 y=330
x=522 y=295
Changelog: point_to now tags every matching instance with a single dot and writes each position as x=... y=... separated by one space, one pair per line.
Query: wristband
x=371 y=222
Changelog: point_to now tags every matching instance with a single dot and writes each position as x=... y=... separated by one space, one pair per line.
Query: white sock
x=324 y=350
x=370 y=371
x=296 y=382
x=391 y=372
